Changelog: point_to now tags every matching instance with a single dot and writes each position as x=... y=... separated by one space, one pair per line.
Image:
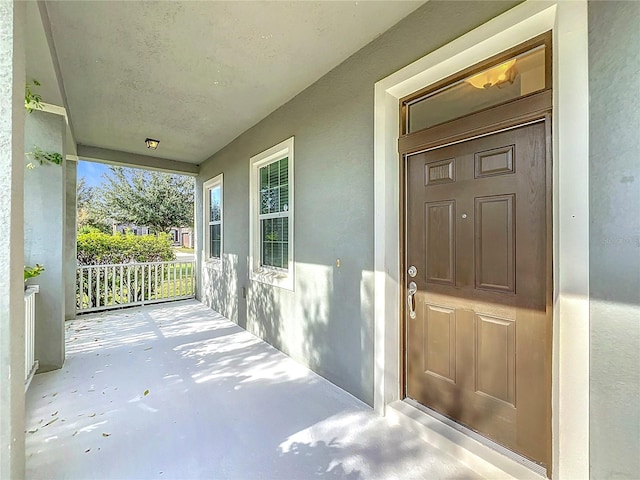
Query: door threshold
x=486 y=458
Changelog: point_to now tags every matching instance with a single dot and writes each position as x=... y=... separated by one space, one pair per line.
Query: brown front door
x=478 y=346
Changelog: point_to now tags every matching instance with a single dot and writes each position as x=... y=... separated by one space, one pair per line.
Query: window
x=213 y=222
x=513 y=74
x=271 y=228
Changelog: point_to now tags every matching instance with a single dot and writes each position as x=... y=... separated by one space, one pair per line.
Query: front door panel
x=478 y=347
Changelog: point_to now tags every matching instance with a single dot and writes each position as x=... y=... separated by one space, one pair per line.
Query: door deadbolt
x=413 y=271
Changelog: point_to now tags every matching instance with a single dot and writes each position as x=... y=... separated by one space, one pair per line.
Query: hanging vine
x=33 y=101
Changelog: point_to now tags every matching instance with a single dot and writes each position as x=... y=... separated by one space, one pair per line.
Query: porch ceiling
x=195 y=75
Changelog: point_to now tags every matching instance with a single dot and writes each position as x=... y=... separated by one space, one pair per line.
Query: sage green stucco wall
x=44 y=234
x=326 y=322
x=614 y=189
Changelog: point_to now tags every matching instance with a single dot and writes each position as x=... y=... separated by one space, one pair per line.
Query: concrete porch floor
x=176 y=391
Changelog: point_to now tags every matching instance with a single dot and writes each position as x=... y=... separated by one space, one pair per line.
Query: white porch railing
x=102 y=287
x=30 y=362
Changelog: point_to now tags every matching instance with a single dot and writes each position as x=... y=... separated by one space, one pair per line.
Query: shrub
x=121 y=285
x=97 y=248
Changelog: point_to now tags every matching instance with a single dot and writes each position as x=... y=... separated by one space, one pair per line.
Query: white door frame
x=570 y=356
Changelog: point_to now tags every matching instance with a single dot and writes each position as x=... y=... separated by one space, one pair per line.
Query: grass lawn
x=184 y=249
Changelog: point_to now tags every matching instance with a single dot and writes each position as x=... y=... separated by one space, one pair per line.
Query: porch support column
x=44 y=242
x=12 y=73
x=70 y=239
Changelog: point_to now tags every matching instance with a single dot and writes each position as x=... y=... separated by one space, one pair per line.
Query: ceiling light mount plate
x=151 y=143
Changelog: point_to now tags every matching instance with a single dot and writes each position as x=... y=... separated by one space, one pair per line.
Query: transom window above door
x=509 y=76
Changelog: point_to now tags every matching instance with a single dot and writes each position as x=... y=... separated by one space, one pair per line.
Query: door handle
x=411 y=301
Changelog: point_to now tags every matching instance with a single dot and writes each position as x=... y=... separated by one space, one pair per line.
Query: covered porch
x=180 y=391
x=177 y=391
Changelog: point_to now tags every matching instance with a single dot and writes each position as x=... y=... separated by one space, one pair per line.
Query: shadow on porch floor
x=176 y=391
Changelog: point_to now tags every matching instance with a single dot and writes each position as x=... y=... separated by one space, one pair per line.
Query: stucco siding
x=44 y=232
x=326 y=322
x=614 y=84
x=12 y=331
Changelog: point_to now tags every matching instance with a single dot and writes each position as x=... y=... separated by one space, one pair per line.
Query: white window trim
x=215 y=263
x=272 y=276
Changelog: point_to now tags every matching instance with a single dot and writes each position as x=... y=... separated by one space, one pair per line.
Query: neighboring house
x=182 y=236
x=128 y=227
x=475 y=255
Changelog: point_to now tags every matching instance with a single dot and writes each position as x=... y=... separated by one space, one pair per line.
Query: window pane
x=273 y=174
x=267 y=254
x=274 y=187
x=509 y=80
x=215 y=241
x=274 y=245
x=285 y=229
x=264 y=178
x=214 y=204
x=284 y=171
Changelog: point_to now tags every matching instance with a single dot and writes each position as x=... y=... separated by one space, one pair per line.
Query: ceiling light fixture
x=494 y=76
x=151 y=143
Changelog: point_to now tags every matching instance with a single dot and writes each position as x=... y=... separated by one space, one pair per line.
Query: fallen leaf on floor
x=146 y=392
x=33 y=431
x=92 y=415
x=106 y=434
x=49 y=423
x=87 y=450
x=54 y=394
x=54 y=413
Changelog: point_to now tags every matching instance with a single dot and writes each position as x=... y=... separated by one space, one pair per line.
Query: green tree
x=90 y=215
x=153 y=199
